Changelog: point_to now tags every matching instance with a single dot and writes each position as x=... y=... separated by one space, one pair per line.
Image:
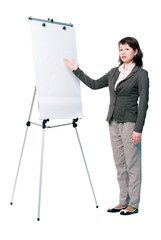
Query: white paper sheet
x=58 y=89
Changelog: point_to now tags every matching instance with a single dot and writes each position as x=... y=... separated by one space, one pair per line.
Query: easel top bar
x=50 y=21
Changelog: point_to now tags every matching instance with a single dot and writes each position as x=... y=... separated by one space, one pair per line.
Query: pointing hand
x=71 y=64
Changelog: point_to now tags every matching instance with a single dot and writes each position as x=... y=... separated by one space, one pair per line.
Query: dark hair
x=133 y=43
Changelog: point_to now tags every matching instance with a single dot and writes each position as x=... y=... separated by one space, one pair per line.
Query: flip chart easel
x=44 y=125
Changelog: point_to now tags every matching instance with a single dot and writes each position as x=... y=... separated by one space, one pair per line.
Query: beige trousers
x=127 y=157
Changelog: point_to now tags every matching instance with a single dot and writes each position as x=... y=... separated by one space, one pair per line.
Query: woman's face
x=127 y=53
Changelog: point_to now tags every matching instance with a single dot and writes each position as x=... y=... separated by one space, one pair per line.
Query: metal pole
x=41 y=167
x=19 y=166
x=86 y=166
x=32 y=104
x=50 y=21
x=28 y=124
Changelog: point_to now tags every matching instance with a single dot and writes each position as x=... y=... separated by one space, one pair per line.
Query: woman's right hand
x=71 y=64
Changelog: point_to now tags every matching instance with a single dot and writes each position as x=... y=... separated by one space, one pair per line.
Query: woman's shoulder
x=142 y=70
x=113 y=70
x=143 y=76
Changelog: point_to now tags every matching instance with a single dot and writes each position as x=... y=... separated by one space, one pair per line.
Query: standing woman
x=129 y=93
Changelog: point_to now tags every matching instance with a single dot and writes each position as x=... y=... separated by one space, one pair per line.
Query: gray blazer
x=124 y=105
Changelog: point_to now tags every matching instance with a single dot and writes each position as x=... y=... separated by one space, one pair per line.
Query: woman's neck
x=126 y=65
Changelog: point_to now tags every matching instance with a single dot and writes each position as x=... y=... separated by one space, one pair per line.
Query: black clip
x=75 y=122
x=44 y=123
x=28 y=123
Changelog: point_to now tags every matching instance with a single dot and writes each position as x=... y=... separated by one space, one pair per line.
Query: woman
x=127 y=84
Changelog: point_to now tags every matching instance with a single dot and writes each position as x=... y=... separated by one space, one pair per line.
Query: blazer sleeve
x=91 y=83
x=143 y=87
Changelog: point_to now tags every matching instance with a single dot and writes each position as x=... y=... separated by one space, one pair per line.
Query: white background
x=68 y=208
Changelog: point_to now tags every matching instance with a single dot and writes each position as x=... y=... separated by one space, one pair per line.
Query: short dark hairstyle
x=133 y=43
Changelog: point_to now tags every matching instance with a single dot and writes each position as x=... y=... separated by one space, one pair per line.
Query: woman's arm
x=91 y=83
x=143 y=87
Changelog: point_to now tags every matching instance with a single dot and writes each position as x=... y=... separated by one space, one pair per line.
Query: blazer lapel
x=132 y=72
x=116 y=75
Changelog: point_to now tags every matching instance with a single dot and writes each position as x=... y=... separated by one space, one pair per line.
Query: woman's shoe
x=126 y=212
x=114 y=210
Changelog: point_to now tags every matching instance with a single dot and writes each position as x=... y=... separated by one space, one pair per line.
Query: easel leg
x=86 y=166
x=19 y=166
x=41 y=166
x=28 y=124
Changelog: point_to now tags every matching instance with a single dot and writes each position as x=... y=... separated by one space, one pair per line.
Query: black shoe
x=126 y=212
x=114 y=210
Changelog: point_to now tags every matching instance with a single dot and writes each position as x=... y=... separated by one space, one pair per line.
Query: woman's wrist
x=76 y=68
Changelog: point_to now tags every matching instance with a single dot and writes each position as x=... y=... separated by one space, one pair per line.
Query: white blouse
x=124 y=73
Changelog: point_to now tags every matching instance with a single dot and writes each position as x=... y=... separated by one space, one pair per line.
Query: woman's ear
x=136 y=51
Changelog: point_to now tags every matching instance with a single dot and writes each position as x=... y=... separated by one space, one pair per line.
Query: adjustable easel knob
x=75 y=122
x=44 y=123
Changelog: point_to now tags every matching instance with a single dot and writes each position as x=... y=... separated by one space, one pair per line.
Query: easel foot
x=96 y=206
x=38 y=219
x=11 y=203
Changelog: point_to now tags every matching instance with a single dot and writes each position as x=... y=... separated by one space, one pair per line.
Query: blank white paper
x=58 y=89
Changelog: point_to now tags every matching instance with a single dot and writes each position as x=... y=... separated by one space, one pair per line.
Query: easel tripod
x=44 y=126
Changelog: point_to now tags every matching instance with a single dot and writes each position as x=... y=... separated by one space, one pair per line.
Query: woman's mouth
x=123 y=56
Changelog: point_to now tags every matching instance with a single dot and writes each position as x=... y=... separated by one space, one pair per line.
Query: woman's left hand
x=136 y=137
